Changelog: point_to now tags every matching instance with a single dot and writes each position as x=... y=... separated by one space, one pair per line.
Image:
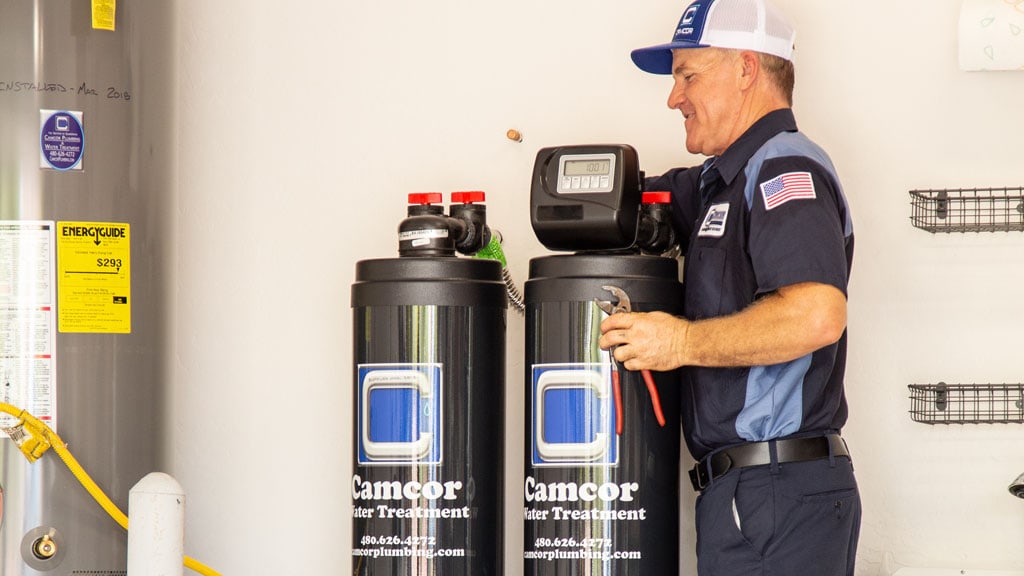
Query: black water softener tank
x=600 y=492
x=429 y=379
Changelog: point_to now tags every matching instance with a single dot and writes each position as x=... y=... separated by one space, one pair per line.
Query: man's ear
x=751 y=67
x=751 y=63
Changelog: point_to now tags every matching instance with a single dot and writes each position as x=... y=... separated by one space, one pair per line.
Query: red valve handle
x=467 y=197
x=656 y=198
x=425 y=198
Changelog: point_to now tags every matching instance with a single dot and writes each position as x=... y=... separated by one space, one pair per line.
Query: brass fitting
x=44 y=548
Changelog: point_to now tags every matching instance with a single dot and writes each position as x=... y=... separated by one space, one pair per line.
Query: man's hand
x=645 y=340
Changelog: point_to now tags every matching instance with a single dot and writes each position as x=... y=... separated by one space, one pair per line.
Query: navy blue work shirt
x=771 y=213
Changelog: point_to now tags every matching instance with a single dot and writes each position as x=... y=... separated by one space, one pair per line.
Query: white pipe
x=156 y=527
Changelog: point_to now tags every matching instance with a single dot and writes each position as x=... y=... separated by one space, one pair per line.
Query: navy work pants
x=790 y=519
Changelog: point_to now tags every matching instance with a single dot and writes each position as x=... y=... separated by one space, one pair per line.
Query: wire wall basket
x=968 y=210
x=967 y=403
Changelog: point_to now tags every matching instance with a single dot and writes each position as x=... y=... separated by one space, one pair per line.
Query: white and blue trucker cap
x=738 y=24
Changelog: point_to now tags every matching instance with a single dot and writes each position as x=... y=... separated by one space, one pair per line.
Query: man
x=768 y=245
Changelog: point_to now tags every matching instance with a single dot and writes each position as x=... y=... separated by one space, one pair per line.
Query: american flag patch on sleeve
x=788 y=186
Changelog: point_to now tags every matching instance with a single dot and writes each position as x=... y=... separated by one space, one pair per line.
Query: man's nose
x=676 y=96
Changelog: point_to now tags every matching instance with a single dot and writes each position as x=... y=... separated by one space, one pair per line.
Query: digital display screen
x=592 y=167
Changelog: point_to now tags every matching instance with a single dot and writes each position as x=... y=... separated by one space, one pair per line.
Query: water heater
x=82 y=320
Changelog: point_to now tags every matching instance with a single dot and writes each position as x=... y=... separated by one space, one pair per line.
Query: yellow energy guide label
x=94 y=277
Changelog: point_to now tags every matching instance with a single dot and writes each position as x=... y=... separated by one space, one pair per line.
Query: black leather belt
x=716 y=464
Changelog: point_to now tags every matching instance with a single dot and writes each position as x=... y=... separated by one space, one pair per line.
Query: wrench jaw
x=609 y=308
x=622 y=304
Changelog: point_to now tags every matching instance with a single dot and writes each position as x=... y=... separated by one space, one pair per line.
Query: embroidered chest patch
x=714 y=221
x=786 y=187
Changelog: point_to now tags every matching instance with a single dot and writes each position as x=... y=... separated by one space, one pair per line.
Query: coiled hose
x=34 y=438
x=493 y=251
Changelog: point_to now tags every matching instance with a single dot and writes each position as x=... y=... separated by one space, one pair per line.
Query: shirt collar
x=731 y=162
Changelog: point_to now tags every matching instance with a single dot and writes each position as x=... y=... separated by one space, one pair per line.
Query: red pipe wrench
x=623 y=305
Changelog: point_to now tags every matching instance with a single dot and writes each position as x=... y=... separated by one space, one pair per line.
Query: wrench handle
x=617 y=392
x=652 y=389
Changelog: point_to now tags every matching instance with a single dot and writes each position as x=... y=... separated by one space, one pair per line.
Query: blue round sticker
x=62 y=141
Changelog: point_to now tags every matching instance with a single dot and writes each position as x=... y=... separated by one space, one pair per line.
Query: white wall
x=302 y=127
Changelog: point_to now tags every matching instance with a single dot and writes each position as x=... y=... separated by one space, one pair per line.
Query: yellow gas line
x=34 y=438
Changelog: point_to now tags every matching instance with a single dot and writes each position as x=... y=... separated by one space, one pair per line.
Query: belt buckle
x=703 y=472
x=699 y=476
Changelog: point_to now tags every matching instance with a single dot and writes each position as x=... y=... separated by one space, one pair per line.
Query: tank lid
x=603 y=266
x=415 y=280
x=417 y=268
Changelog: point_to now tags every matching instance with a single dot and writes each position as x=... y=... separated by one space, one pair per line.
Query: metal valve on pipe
x=427 y=231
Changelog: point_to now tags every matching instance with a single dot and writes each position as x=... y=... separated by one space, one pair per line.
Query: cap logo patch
x=690 y=13
x=691 y=25
x=786 y=187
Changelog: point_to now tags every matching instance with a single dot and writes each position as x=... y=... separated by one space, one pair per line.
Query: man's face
x=706 y=91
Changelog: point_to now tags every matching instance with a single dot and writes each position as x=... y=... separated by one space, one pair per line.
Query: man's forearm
x=782 y=326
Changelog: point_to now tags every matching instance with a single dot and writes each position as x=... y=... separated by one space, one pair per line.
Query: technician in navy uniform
x=768 y=245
